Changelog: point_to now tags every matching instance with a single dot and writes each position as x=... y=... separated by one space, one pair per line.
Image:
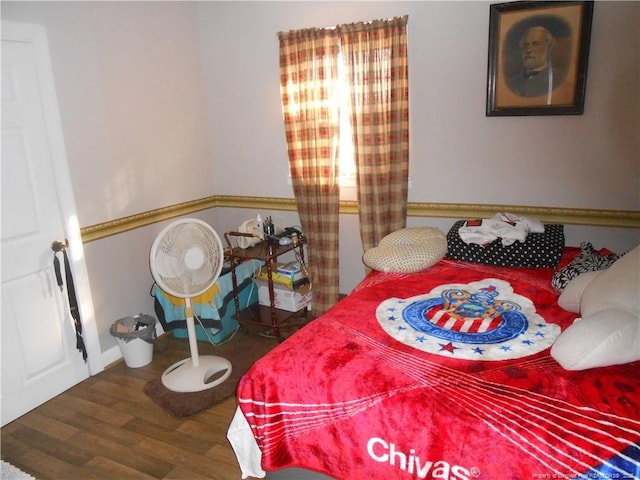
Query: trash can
x=135 y=336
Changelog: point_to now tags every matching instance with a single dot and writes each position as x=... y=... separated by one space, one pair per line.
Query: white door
x=39 y=354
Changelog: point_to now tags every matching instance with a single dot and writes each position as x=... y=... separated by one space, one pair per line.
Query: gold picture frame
x=538 y=55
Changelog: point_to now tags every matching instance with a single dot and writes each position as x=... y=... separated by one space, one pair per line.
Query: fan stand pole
x=191 y=332
x=196 y=373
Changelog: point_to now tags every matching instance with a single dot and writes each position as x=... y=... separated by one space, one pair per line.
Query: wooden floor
x=107 y=428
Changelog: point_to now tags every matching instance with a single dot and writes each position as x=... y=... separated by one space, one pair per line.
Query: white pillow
x=609 y=332
x=609 y=337
x=616 y=287
x=413 y=236
x=407 y=250
x=571 y=296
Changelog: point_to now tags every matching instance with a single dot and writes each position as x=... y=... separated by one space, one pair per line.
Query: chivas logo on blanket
x=472 y=312
x=483 y=320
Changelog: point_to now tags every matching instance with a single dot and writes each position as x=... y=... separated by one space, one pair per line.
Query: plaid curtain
x=375 y=54
x=308 y=85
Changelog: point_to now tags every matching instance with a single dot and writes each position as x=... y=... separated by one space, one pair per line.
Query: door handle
x=58 y=246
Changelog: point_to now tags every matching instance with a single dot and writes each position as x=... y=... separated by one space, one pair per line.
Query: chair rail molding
x=568 y=216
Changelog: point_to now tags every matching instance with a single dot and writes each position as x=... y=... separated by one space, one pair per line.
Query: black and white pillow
x=540 y=250
x=588 y=260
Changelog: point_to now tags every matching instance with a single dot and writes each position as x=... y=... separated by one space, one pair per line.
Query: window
x=347 y=168
x=346 y=158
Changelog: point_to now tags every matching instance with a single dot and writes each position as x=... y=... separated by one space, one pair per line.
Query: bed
x=444 y=373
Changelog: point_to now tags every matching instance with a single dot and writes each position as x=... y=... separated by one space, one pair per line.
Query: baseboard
x=111 y=355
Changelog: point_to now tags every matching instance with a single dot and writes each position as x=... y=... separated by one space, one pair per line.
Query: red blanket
x=393 y=382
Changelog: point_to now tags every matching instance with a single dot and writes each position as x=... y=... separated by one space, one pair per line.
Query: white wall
x=165 y=102
x=457 y=154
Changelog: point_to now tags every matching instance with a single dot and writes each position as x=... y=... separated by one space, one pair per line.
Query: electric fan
x=186 y=259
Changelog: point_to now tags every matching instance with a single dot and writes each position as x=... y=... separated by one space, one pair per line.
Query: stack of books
x=291 y=288
x=289 y=275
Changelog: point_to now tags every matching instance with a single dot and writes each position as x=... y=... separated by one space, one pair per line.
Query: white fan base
x=183 y=376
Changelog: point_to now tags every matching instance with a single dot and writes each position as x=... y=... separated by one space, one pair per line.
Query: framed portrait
x=538 y=55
